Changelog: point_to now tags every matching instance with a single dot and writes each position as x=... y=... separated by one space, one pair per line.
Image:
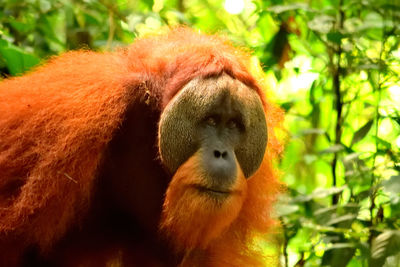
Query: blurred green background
x=332 y=65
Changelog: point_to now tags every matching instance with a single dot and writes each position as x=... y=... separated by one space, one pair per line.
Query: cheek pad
x=176 y=135
x=251 y=150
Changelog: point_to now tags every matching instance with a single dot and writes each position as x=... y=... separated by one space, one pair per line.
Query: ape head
x=212 y=137
x=219 y=116
x=174 y=129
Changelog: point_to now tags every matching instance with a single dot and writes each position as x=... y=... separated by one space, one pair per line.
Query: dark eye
x=212 y=120
x=235 y=124
x=232 y=124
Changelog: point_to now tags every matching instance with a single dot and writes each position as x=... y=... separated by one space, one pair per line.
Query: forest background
x=332 y=65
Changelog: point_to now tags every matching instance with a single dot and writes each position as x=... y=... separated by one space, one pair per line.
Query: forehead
x=210 y=90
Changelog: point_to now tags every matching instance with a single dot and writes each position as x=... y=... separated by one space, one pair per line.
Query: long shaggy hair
x=56 y=122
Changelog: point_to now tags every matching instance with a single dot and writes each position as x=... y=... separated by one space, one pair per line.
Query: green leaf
x=322 y=192
x=384 y=143
x=362 y=132
x=321 y=24
x=323 y=215
x=148 y=3
x=22 y=27
x=333 y=149
x=392 y=185
x=17 y=60
x=348 y=218
x=338 y=255
x=284 y=8
x=286 y=209
x=396 y=119
x=319 y=193
x=342 y=215
x=287 y=106
x=370 y=66
x=335 y=37
x=44 y=5
x=317 y=131
x=383 y=246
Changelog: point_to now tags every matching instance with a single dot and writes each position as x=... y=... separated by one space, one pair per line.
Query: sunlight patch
x=234 y=6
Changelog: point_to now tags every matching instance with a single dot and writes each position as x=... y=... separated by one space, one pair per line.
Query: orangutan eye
x=212 y=121
x=232 y=124
x=235 y=124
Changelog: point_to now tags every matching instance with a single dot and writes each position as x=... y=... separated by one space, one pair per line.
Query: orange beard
x=193 y=218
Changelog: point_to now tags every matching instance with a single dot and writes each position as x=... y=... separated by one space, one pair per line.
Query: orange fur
x=56 y=122
x=229 y=238
x=191 y=219
x=54 y=125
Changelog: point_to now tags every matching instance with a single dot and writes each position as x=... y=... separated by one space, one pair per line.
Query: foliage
x=332 y=65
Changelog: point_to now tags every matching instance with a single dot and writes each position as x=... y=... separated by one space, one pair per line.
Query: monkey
x=158 y=154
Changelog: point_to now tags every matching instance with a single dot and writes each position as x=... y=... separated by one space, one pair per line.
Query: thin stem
x=339 y=103
x=111 y=31
x=285 y=243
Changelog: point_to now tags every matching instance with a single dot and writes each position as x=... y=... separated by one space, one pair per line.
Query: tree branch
x=339 y=103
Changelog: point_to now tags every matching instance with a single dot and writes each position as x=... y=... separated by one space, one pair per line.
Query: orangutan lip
x=212 y=190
